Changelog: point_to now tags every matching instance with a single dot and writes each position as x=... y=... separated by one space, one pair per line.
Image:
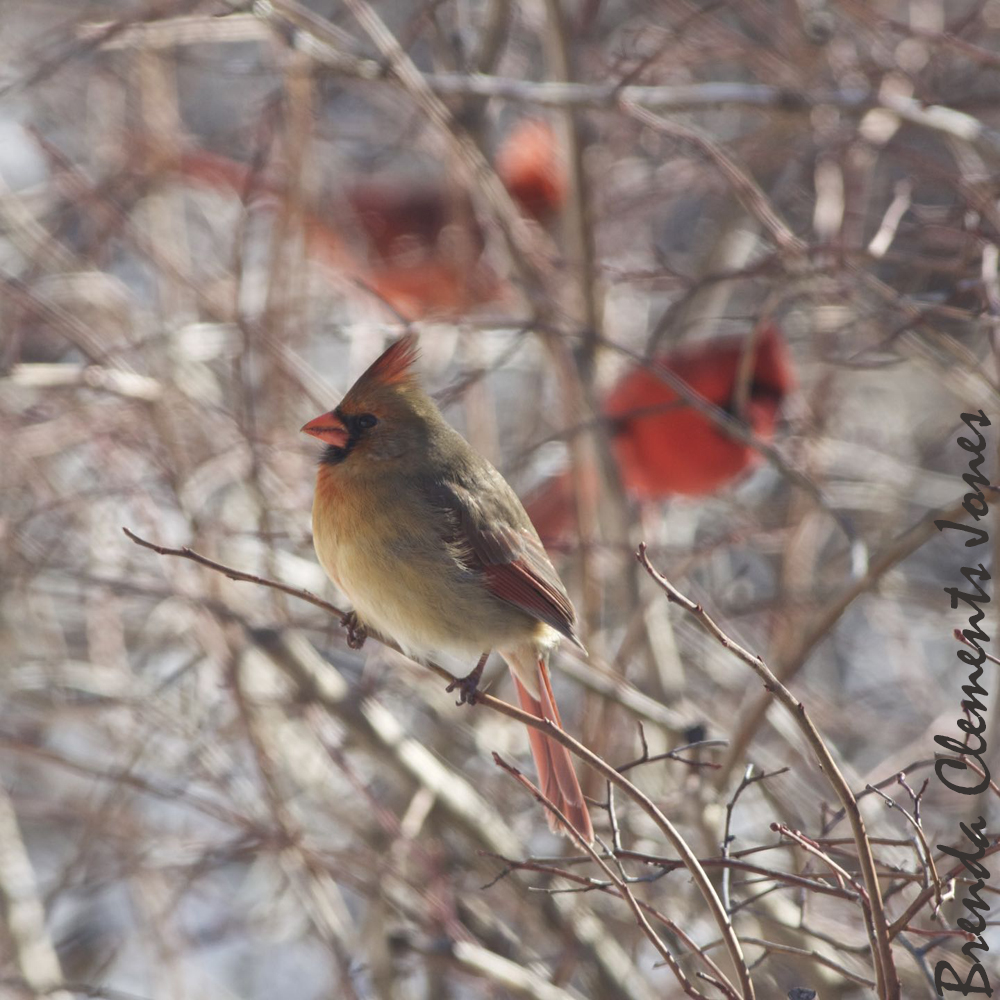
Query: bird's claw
x=356 y=632
x=468 y=686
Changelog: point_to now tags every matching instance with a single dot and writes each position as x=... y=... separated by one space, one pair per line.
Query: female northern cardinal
x=435 y=550
x=662 y=445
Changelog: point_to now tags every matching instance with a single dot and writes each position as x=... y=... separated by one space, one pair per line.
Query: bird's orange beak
x=329 y=428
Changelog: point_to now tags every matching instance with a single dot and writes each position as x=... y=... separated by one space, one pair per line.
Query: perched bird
x=435 y=550
x=415 y=244
x=665 y=447
x=532 y=170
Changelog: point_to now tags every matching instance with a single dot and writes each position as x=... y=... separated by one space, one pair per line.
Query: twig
x=24 y=913
x=545 y=726
x=875 y=917
x=811 y=954
x=113 y=380
x=843 y=877
x=235 y=574
x=619 y=884
x=217 y=811
x=945 y=120
x=925 y=895
x=596 y=677
x=317 y=681
x=586 y=884
x=925 y=848
x=738 y=430
x=78 y=48
x=769 y=874
x=324 y=42
x=530 y=251
x=648 y=758
x=56 y=318
x=882 y=240
x=747 y=190
x=748 y=779
x=475 y=960
x=895 y=552
x=832 y=820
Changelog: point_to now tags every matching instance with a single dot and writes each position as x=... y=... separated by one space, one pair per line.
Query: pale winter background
x=204 y=793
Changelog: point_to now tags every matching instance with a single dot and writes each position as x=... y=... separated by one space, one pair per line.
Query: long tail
x=556 y=775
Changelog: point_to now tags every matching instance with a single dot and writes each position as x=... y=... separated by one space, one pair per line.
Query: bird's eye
x=367 y=420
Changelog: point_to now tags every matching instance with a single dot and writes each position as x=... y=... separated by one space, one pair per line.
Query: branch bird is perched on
x=435 y=550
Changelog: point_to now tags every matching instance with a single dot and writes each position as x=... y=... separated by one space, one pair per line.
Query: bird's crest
x=394 y=366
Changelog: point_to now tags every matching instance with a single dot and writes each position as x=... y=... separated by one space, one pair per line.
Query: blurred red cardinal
x=662 y=445
x=529 y=165
x=435 y=550
x=416 y=245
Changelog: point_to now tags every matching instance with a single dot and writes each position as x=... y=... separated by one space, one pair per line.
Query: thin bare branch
x=875 y=918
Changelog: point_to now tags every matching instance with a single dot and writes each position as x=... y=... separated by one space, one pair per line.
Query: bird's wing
x=489 y=528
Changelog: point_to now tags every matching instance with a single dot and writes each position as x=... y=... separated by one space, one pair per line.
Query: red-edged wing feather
x=484 y=526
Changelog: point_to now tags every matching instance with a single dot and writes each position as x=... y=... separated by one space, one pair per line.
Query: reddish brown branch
x=624 y=892
x=876 y=922
x=550 y=729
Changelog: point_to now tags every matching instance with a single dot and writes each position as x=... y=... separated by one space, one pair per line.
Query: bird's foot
x=356 y=632
x=468 y=686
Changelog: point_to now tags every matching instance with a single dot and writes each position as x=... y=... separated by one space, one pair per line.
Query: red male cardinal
x=436 y=552
x=416 y=245
x=662 y=445
x=529 y=164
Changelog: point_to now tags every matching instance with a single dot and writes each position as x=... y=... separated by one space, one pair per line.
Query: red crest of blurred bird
x=435 y=551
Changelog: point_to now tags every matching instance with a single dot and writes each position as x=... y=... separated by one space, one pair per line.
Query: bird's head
x=384 y=415
x=531 y=167
x=772 y=381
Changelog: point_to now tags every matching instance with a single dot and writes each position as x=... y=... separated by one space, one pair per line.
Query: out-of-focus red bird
x=416 y=245
x=665 y=447
x=530 y=166
x=435 y=550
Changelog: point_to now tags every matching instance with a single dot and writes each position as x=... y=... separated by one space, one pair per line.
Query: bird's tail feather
x=556 y=774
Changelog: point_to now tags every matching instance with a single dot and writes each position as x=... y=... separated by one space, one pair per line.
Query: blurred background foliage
x=214 y=215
